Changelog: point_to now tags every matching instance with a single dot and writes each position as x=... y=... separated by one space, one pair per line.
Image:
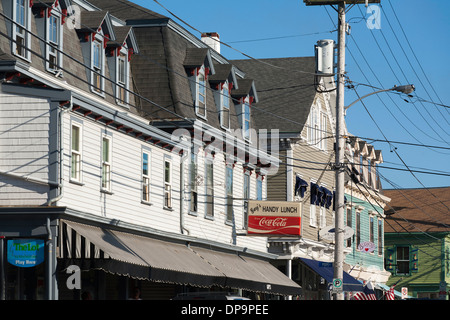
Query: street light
x=406 y=89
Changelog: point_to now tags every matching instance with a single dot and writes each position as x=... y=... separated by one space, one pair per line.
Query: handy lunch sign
x=274 y=218
x=25 y=253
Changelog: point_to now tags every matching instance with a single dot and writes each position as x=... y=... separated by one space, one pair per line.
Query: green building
x=417 y=241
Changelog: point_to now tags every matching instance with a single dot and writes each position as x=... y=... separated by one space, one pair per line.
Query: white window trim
x=198 y=86
x=209 y=163
x=246 y=135
x=227 y=199
x=106 y=164
x=59 y=55
x=98 y=39
x=79 y=153
x=27 y=35
x=317 y=127
x=259 y=186
x=225 y=86
x=146 y=177
x=167 y=188
x=193 y=188
x=126 y=85
x=247 y=177
x=312 y=215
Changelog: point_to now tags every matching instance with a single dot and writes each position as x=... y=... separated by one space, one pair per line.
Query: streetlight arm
x=369 y=94
x=407 y=89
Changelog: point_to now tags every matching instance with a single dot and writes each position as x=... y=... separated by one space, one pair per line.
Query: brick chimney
x=212 y=39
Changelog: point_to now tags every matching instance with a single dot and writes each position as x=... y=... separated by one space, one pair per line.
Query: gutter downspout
x=182 y=160
x=61 y=154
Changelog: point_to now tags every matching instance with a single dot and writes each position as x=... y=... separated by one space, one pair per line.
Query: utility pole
x=339 y=157
x=340 y=143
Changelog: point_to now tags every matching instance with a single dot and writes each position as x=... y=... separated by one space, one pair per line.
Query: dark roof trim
x=223 y=73
x=197 y=57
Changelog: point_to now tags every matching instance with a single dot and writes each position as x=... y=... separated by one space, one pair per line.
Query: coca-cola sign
x=274 y=218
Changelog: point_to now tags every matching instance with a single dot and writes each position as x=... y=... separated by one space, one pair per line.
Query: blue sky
x=378 y=58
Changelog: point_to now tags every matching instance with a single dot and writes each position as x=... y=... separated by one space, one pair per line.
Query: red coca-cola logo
x=273 y=222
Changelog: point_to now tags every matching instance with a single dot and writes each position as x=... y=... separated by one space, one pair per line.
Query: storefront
x=77 y=257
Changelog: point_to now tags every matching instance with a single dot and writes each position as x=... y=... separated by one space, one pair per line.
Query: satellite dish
x=328 y=233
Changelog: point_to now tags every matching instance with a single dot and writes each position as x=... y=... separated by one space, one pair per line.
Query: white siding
x=217 y=229
x=24 y=149
x=124 y=201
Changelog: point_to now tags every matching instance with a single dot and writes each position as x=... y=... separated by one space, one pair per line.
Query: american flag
x=390 y=294
x=367 y=294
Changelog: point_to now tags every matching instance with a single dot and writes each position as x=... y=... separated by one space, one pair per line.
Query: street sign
x=337 y=285
x=404 y=292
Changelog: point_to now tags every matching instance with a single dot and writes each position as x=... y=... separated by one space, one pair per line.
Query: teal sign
x=25 y=253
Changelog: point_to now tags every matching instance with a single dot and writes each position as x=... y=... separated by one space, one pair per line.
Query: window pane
x=105 y=150
x=167 y=172
x=145 y=164
x=75 y=138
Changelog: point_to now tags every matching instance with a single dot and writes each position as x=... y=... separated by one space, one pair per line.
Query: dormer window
x=225 y=106
x=54 y=43
x=246 y=123
x=97 y=72
x=22 y=19
x=122 y=77
x=200 y=107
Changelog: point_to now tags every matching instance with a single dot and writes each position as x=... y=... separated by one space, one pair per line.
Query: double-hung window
x=54 y=43
x=259 y=189
x=312 y=128
x=122 y=77
x=323 y=131
x=22 y=19
x=75 y=172
x=246 y=120
x=349 y=224
x=380 y=237
x=97 y=81
x=106 y=163
x=145 y=177
x=201 y=93
x=372 y=228
x=225 y=106
x=246 y=197
x=229 y=194
x=193 y=183
x=358 y=228
x=312 y=215
x=167 y=184
x=403 y=260
x=209 y=189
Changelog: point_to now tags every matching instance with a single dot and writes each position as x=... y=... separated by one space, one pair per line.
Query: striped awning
x=141 y=257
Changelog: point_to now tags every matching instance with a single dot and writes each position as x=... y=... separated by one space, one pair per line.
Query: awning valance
x=326 y=271
x=93 y=247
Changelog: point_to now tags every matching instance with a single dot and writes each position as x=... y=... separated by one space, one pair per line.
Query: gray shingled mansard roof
x=285 y=89
x=165 y=63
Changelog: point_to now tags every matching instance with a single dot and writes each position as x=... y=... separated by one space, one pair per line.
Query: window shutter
x=414 y=259
x=389 y=257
